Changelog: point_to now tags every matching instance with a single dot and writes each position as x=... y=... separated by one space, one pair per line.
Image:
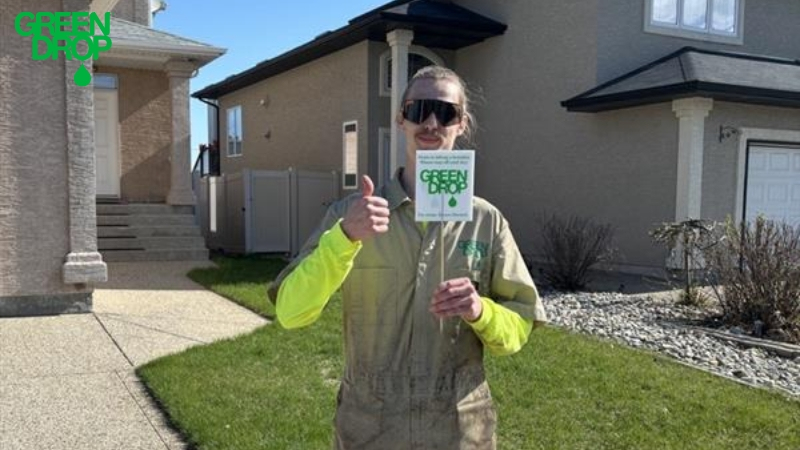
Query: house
x=632 y=112
x=122 y=140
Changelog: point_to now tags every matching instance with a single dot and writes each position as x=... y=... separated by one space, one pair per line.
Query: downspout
x=215 y=106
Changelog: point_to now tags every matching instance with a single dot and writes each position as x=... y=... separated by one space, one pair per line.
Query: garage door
x=773 y=183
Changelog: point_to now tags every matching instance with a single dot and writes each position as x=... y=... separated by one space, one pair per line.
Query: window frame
x=237 y=150
x=683 y=31
x=384 y=89
x=350 y=129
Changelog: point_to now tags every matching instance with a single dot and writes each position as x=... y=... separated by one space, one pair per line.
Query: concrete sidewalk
x=67 y=382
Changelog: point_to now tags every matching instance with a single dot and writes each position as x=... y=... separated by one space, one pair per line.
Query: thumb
x=367 y=187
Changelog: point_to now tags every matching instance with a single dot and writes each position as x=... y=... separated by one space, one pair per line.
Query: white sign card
x=445 y=185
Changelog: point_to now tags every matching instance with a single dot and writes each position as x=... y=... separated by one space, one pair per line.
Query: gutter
x=122 y=44
x=215 y=106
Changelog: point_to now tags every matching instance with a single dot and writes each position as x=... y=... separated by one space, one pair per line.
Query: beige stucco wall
x=768 y=30
x=720 y=159
x=145 y=133
x=304 y=111
x=34 y=229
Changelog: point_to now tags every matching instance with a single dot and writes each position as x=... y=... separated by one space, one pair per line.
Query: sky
x=251 y=31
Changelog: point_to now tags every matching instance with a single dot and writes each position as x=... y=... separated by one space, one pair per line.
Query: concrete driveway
x=68 y=382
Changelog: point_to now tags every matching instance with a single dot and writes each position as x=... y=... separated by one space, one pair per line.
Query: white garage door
x=773 y=183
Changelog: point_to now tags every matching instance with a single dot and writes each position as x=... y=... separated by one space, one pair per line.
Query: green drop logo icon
x=452 y=202
x=82 y=76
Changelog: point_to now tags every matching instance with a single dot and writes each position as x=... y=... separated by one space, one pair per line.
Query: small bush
x=571 y=247
x=758 y=268
x=687 y=240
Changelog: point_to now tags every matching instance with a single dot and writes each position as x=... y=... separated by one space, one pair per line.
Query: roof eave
x=717 y=91
x=334 y=41
x=366 y=27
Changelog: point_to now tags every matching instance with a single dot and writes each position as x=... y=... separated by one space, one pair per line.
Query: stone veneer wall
x=45 y=218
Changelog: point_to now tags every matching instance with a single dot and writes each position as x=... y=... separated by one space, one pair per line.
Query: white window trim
x=755 y=134
x=384 y=90
x=228 y=152
x=344 y=156
x=384 y=133
x=688 y=33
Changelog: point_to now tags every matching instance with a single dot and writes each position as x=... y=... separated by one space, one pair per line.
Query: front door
x=106 y=143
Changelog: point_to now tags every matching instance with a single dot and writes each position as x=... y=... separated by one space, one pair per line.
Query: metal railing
x=207 y=162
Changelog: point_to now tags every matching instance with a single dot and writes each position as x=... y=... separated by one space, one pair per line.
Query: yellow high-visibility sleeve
x=304 y=293
x=501 y=330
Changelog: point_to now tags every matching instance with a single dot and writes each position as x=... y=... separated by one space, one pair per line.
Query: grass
x=275 y=389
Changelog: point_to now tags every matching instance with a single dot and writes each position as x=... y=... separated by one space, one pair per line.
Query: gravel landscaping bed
x=657 y=323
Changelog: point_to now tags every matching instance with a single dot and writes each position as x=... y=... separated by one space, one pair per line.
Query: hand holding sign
x=457 y=297
x=367 y=216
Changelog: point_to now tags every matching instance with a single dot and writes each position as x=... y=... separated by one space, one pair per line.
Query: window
x=235 y=131
x=104 y=81
x=350 y=155
x=418 y=57
x=711 y=20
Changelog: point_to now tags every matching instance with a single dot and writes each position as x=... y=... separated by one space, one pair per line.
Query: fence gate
x=313 y=193
x=268 y=223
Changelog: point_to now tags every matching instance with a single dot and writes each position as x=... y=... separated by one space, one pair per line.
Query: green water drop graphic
x=452 y=202
x=82 y=76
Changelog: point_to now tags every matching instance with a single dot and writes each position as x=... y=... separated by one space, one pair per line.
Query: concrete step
x=142 y=208
x=154 y=255
x=152 y=243
x=151 y=220
x=146 y=231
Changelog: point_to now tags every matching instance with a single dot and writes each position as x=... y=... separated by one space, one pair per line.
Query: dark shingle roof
x=692 y=72
x=436 y=24
x=122 y=30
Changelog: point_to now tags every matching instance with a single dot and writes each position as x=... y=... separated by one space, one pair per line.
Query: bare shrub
x=687 y=239
x=572 y=247
x=757 y=267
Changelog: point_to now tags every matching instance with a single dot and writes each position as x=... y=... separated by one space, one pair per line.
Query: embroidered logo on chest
x=475 y=251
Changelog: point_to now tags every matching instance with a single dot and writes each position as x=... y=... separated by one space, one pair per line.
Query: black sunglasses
x=418 y=110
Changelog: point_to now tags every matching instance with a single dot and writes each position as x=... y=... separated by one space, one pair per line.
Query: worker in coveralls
x=406 y=384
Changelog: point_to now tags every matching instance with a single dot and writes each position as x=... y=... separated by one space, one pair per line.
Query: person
x=407 y=383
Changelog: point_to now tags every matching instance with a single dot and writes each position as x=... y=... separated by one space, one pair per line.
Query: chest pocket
x=370 y=297
x=471 y=259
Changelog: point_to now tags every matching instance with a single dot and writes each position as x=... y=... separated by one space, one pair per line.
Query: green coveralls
x=405 y=384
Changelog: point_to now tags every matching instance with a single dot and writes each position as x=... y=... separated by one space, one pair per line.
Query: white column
x=691 y=113
x=180 y=191
x=399 y=41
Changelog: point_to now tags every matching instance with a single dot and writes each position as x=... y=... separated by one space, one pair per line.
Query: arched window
x=418 y=57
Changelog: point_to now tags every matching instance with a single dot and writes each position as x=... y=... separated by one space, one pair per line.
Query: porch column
x=83 y=264
x=691 y=113
x=399 y=41
x=180 y=190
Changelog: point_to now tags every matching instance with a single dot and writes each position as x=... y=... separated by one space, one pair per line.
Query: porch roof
x=141 y=46
x=436 y=24
x=692 y=72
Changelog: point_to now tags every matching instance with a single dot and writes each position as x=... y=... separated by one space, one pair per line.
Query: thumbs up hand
x=366 y=216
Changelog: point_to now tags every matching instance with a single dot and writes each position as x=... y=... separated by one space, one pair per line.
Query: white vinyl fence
x=263 y=211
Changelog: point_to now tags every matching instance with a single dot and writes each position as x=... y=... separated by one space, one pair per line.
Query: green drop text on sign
x=444 y=181
x=54 y=33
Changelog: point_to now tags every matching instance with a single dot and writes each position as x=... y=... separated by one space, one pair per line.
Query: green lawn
x=275 y=389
